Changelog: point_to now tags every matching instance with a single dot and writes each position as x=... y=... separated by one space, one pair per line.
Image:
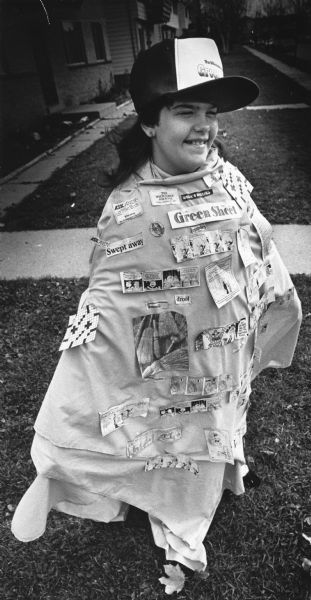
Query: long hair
x=134 y=150
x=135 y=147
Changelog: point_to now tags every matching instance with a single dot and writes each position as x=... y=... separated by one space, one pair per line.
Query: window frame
x=77 y=24
x=97 y=25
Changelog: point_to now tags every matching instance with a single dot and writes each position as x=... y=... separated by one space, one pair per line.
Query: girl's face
x=183 y=136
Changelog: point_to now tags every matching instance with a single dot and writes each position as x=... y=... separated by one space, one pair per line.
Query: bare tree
x=223 y=16
x=282 y=7
x=274 y=7
x=300 y=7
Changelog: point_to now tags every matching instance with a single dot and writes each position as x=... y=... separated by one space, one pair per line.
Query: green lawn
x=271 y=148
x=254 y=548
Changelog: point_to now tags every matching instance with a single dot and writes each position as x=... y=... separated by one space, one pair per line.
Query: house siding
x=124 y=18
x=122 y=35
x=78 y=84
x=141 y=11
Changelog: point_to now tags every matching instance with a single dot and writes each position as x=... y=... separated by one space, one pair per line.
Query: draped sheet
x=152 y=412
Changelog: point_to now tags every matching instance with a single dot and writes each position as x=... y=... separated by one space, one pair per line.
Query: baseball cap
x=188 y=66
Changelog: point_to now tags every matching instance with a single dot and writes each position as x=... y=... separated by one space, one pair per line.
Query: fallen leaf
x=175 y=580
x=203 y=575
x=306 y=565
x=307 y=537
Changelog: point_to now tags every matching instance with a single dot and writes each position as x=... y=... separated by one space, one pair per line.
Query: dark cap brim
x=226 y=93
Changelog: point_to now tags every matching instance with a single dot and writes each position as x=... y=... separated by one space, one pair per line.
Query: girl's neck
x=211 y=162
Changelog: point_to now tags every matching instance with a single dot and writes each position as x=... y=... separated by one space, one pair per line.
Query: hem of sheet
x=44 y=494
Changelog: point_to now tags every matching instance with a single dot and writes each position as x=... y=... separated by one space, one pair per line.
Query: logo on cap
x=208 y=69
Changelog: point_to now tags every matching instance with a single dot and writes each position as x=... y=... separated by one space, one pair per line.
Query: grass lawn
x=272 y=148
x=19 y=148
x=254 y=546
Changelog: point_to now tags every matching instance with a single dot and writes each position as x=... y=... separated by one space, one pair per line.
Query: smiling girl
x=183 y=136
x=172 y=320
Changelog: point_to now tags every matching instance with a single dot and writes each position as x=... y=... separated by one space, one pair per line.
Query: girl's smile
x=183 y=136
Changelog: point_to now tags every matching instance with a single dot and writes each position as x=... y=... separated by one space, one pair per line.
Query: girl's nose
x=202 y=123
x=201 y=127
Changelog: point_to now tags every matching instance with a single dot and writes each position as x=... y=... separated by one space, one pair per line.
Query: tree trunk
x=225 y=42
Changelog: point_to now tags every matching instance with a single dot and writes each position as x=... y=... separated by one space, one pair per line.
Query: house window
x=175 y=9
x=74 y=43
x=168 y=33
x=98 y=39
x=141 y=37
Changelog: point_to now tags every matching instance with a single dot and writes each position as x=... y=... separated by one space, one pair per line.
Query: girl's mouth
x=197 y=143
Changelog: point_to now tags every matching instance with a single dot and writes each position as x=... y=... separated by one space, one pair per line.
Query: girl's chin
x=198 y=156
x=197 y=162
x=197 y=150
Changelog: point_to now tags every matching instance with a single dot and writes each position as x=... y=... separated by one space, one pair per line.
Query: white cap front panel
x=197 y=61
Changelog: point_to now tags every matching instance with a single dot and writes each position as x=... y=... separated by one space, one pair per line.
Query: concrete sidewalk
x=65 y=253
x=16 y=186
x=300 y=77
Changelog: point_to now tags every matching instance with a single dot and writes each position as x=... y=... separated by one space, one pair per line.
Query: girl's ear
x=148 y=130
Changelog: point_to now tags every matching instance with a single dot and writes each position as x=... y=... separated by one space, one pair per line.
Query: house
x=54 y=54
x=134 y=25
x=58 y=54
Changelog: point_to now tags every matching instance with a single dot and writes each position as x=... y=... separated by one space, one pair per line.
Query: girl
x=160 y=332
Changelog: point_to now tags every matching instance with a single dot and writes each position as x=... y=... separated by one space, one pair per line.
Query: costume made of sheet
x=192 y=301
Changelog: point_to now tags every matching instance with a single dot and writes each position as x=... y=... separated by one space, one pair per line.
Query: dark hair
x=134 y=150
x=135 y=147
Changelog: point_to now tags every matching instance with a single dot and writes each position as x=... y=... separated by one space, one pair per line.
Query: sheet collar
x=150 y=174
